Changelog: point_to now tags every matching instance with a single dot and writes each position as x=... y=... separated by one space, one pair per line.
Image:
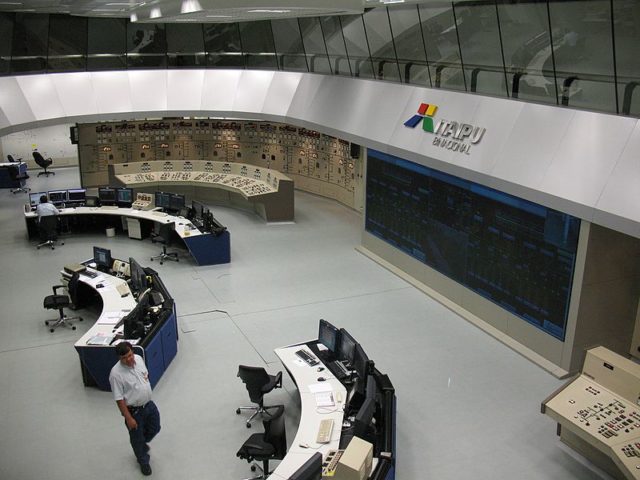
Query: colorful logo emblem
x=425 y=115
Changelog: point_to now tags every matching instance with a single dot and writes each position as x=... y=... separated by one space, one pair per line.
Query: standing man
x=44 y=208
x=131 y=389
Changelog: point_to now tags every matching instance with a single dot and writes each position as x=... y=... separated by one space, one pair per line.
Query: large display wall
x=316 y=162
x=517 y=254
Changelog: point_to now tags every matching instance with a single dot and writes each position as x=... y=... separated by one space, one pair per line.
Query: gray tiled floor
x=468 y=407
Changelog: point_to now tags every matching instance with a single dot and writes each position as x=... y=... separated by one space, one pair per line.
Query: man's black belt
x=133 y=409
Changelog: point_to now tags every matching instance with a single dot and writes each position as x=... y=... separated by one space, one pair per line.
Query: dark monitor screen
x=77 y=194
x=57 y=197
x=124 y=196
x=176 y=201
x=309 y=470
x=91 y=202
x=133 y=321
x=162 y=199
x=328 y=335
x=198 y=208
x=361 y=366
x=107 y=195
x=347 y=346
x=34 y=198
x=138 y=276
x=364 y=417
x=102 y=257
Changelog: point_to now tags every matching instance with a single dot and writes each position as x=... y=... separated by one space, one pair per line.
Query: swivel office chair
x=13 y=160
x=164 y=236
x=60 y=302
x=43 y=162
x=258 y=383
x=48 y=228
x=16 y=176
x=270 y=445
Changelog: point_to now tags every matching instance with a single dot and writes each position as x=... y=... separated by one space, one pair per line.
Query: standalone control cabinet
x=598 y=412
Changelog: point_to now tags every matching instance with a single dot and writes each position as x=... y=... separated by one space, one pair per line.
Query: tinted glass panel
x=222 y=42
x=583 y=49
x=29 y=46
x=107 y=44
x=314 y=45
x=288 y=44
x=441 y=43
x=334 y=40
x=67 y=43
x=357 y=46
x=146 y=45
x=626 y=17
x=257 y=44
x=383 y=53
x=407 y=35
x=6 y=34
x=185 y=45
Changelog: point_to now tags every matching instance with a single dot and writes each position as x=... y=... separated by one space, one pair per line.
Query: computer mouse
x=321 y=379
x=99 y=285
x=320 y=369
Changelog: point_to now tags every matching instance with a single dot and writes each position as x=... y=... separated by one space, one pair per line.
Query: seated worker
x=44 y=208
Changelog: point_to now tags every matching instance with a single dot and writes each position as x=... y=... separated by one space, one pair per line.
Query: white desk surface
x=184 y=228
x=306 y=377
x=112 y=303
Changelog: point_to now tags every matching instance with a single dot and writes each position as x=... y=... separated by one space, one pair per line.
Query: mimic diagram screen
x=517 y=254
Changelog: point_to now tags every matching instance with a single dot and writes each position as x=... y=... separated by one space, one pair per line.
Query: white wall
x=49 y=141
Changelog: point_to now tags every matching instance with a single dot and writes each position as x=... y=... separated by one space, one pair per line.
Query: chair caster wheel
x=37 y=248
x=73 y=327
x=160 y=263
x=151 y=259
x=51 y=330
x=177 y=259
x=253 y=468
x=248 y=425
x=237 y=410
x=80 y=319
x=53 y=248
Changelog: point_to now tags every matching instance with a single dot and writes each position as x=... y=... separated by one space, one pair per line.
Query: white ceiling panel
x=586 y=156
x=112 y=91
x=148 y=90
x=184 y=89
x=41 y=93
x=13 y=103
x=219 y=90
x=76 y=93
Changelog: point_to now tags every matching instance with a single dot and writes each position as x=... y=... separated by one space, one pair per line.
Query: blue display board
x=516 y=253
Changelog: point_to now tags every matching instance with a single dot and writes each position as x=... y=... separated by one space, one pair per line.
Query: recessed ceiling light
x=268 y=11
x=190 y=6
x=133 y=18
x=155 y=13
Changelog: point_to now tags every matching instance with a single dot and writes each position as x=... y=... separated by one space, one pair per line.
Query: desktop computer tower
x=356 y=461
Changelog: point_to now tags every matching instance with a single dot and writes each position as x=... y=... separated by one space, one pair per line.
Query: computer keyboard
x=89 y=273
x=324 y=431
x=309 y=360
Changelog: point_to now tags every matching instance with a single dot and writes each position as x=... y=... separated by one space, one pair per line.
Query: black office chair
x=60 y=302
x=164 y=236
x=16 y=176
x=13 y=160
x=270 y=445
x=258 y=383
x=43 y=162
x=48 y=228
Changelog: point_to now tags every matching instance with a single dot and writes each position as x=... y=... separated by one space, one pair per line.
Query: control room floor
x=468 y=406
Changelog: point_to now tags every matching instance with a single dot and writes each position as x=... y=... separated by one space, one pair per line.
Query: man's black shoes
x=145 y=469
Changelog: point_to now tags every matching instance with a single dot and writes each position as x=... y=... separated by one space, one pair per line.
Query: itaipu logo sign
x=448 y=134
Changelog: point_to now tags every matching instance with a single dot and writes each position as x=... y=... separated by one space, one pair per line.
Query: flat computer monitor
x=176 y=202
x=102 y=258
x=134 y=320
x=198 y=208
x=138 y=276
x=124 y=197
x=34 y=198
x=91 y=201
x=329 y=336
x=57 y=197
x=347 y=347
x=309 y=470
x=77 y=195
x=362 y=366
x=162 y=199
x=364 y=417
x=107 y=195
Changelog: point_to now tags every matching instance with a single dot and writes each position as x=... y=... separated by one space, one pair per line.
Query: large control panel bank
x=316 y=162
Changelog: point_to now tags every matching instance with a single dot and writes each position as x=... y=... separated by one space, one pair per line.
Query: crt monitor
x=124 y=196
x=176 y=202
x=309 y=470
x=328 y=335
x=347 y=347
x=162 y=199
x=138 y=276
x=107 y=195
x=34 y=198
x=77 y=194
x=102 y=258
x=57 y=197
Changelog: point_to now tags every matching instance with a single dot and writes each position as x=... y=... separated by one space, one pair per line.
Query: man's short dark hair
x=123 y=348
x=43 y=199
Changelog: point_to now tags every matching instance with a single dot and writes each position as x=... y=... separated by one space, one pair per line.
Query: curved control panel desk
x=159 y=346
x=269 y=192
x=304 y=444
x=205 y=248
